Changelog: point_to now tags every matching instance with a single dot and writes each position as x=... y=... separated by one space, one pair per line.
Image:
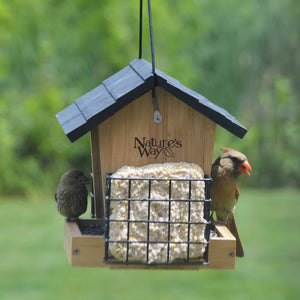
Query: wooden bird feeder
x=136 y=117
x=119 y=114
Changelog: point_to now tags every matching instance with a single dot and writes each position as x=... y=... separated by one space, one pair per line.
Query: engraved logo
x=153 y=147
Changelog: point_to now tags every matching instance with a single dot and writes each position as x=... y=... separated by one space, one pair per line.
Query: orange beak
x=244 y=167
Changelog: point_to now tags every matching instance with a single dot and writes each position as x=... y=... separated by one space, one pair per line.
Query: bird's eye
x=235 y=160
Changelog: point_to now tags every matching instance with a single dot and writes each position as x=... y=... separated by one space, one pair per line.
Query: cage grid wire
x=166 y=241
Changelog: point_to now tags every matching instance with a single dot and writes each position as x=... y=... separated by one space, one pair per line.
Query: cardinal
x=225 y=190
x=71 y=194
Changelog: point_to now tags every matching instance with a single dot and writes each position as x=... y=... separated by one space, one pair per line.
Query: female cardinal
x=225 y=190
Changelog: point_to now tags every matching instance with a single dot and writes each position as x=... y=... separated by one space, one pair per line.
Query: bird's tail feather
x=231 y=225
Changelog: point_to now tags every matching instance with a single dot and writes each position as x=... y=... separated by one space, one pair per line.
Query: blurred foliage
x=243 y=56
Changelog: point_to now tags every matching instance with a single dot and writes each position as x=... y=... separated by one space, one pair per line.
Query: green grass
x=33 y=264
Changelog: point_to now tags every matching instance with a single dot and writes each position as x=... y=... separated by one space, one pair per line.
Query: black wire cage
x=153 y=228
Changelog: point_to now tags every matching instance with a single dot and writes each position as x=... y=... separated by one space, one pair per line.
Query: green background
x=241 y=55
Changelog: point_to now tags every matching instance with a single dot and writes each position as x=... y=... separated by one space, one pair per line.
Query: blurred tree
x=242 y=56
x=269 y=100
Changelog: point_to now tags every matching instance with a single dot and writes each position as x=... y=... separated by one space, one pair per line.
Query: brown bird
x=71 y=194
x=225 y=190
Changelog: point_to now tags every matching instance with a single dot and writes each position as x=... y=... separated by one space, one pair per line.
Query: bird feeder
x=136 y=117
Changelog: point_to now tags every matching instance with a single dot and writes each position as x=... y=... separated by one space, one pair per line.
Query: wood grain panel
x=130 y=136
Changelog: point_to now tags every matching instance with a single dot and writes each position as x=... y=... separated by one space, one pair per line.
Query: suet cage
x=165 y=246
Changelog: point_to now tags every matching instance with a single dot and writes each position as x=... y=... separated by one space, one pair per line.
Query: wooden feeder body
x=131 y=138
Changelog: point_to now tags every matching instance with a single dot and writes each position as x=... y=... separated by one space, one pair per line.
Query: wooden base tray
x=88 y=250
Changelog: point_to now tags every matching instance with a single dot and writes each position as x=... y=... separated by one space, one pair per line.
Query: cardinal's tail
x=231 y=225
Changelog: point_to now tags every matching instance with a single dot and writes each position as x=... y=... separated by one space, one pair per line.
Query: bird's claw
x=219 y=222
x=71 y=219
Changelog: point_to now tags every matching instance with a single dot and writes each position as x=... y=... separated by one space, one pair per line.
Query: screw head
x=231 y=254
x=76 y=251
x=157 y=118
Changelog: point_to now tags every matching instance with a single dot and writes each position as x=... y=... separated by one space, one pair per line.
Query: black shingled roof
x=120 y=89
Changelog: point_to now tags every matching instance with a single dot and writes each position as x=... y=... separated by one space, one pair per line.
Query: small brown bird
x=225 y=190
x=71 y=194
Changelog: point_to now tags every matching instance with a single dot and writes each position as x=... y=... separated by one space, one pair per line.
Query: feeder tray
x=83 y=250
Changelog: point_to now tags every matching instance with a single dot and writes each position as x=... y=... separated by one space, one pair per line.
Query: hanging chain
x=157 y=118
x=141 y=30
x=151 y=37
